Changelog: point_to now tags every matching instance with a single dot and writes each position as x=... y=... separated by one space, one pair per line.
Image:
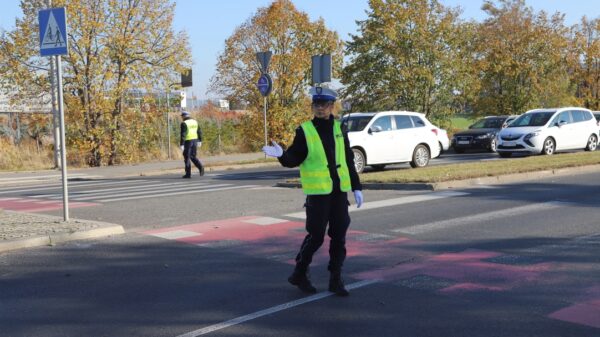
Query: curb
x=514 y=178
x=473 y=182
x=107 y=229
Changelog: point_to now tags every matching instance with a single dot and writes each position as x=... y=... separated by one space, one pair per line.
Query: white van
x=548 y=130
x=390 y=137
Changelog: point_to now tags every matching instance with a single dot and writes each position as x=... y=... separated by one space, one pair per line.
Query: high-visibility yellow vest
x=314 y=173
x=192 y=129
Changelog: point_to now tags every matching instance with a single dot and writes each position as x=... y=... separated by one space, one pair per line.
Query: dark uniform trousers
x=321 y=210
x=189 y=155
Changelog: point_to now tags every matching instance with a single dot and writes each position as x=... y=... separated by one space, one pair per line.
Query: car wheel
x=549 y=147
x=505 y=154
x=420 y=156
x=360 y=161
x=493 y=145
x=379 y=167
x=592 y=143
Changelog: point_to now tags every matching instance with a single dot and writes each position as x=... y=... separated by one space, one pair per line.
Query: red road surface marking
x=37 y=205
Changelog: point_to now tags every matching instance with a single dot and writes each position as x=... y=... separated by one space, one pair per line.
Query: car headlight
x=531 y=135
x=486 y=136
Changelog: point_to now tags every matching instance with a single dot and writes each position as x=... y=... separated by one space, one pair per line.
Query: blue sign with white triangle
x=53 y=31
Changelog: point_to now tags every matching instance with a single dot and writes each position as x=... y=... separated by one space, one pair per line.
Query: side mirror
x=561 y=123
x=375 y=128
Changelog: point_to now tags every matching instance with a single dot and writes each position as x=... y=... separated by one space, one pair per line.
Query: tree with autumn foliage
x=405 y=58
x=585 y=62
x=293 y=39
x=522 y=59
x=115 y=47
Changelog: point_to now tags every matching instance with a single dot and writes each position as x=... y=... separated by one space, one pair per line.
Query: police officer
x=191 y=138
x=327 y=173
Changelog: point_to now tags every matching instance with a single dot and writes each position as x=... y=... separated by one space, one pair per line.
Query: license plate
x=463 y=142
x=509 y=144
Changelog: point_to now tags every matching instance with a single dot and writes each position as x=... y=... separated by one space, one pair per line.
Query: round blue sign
x=265 y=84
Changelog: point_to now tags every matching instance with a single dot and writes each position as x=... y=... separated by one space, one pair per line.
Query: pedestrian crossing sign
x=53 y=31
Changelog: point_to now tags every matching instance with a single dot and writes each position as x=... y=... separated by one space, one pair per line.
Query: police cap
x=320 y=94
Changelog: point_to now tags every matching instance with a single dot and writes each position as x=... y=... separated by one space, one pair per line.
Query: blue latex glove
x=358 y=197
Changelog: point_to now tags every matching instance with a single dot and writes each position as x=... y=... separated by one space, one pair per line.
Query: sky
x=209 y=23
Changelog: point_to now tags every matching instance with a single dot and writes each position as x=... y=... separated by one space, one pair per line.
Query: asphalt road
x=211 y=257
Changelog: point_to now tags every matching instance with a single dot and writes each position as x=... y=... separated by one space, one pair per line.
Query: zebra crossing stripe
x=71 y=184
x=391 y=202
x=153 y=191
x=83 y=194
x=180 y=193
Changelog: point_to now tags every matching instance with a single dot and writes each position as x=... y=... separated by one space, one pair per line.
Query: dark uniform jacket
x=298 y=151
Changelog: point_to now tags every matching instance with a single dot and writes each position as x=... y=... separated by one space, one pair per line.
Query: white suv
x=389 y=137
x=548 y=130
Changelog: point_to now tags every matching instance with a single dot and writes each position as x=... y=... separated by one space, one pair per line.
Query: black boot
x=187 y=176
x=300 y=279
x=336 y=284
x=201 y=170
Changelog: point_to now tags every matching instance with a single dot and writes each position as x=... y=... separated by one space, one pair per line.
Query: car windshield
x=532 y=119
x=355 y=123
x=488 y=123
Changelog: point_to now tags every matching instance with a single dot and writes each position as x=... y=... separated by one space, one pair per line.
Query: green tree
x=522 y=59
x=405 y=57
x=293 y=39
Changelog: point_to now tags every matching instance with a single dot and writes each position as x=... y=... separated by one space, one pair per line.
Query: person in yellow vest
x=191 y=138
x=327 y=173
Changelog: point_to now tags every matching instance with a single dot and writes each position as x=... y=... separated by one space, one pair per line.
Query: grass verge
x=441 y=173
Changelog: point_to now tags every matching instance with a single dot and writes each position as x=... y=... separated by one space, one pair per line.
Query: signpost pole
x=54 y=42
x=63 y=152
x=265 y=117
x=55 y=117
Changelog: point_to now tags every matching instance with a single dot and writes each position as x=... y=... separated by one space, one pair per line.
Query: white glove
x=199 y=144
x=273 y=151
x=181 y=147
x=358 y=197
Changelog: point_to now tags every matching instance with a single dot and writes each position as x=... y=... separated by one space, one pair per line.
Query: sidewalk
x=20 y=230
x=144 y=169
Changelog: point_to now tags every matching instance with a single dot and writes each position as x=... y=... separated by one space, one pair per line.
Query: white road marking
x=71 y=185
x=155 y=192
x=81 y=194
x=265 y=221
x=272 y=310
x=479 y=218
x=176 y=234
x=178 y=193
x=38 y=178
x=392 y=202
